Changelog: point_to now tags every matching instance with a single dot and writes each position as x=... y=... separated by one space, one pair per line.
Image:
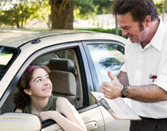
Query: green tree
x=84 y=9
x=60 y=12
x=19 y=13
x=162 y=7
x=44 y=12
x=62 y=16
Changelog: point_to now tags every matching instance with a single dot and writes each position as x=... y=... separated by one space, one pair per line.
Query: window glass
x=106 y=57
x=6 y=55
x=67 y=54
x=71 y=55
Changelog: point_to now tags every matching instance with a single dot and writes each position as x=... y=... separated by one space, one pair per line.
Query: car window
x=63 y=61
x=6 y=56
x=106 y=57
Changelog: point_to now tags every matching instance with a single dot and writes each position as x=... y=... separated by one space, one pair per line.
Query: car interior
x=64 y=75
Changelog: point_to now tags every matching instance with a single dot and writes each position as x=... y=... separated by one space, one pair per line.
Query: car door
x=104 y=56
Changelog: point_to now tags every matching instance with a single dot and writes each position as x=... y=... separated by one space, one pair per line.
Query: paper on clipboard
x=117 y=108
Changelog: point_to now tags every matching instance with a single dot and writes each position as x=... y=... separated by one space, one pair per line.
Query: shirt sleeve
x=123 y=68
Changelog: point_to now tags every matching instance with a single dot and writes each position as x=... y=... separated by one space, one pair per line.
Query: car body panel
x=60 y=35
x=123 y=125
x=15 y=120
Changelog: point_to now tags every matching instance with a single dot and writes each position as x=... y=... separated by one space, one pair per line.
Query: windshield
x=7 y=56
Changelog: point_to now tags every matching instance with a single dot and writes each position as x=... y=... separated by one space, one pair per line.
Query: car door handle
x=91 y=125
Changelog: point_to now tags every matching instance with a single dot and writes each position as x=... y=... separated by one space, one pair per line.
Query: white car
x=87 y=56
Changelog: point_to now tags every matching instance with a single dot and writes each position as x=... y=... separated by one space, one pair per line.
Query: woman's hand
x=65 y=123
x=47 y=115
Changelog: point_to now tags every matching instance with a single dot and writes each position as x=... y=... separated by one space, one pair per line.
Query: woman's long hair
x=21 y=99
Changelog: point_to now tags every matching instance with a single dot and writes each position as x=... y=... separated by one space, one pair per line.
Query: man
x=143 y=77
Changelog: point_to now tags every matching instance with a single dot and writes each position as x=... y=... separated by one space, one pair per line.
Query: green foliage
x=85 y=6
x=30 y=9
x=160 y=6
x=84 y=9
x=103 y=6
x=44 y=10
x=19 y=13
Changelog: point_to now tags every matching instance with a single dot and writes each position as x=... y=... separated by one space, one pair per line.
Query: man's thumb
x=112 y=77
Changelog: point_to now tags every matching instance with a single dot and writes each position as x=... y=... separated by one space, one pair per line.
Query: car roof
x=16 y=38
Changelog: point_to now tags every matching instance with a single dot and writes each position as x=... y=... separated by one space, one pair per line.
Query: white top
x=140 y=64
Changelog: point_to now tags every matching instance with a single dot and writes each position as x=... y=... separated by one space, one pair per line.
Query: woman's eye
x=48 y=77
x=39 y=80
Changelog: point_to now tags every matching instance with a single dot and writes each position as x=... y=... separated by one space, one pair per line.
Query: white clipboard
x=117 y=108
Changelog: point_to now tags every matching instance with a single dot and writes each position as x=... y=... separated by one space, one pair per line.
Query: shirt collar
x=157 y=39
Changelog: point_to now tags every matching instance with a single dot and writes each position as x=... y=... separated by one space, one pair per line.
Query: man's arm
x=148 y=93
x=123 y=78
x=145 y=93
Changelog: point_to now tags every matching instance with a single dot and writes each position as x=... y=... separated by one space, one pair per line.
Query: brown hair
x=21 y=99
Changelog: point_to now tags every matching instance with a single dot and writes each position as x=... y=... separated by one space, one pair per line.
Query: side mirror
x=19 y=122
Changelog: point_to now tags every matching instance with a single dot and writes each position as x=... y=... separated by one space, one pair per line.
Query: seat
x=61 y=64
x=64 y=84
x=67 y=65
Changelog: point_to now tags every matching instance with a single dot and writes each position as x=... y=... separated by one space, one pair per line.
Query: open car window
x=63 y=63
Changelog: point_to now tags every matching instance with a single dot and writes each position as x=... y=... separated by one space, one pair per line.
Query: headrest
x=63 y=82
x=61 y=64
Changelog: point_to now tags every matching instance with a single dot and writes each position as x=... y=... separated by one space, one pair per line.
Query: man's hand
x=113 y=88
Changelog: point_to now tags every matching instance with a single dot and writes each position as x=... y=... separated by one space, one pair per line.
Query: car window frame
x=16 y=52
x=91 y=64
x=27 y=62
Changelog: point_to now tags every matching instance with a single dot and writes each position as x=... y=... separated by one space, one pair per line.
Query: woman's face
x=40 y=84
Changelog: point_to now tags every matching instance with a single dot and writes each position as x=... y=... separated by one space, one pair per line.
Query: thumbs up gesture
x=113 y=88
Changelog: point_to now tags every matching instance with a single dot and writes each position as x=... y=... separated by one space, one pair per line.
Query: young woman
x=35 y=96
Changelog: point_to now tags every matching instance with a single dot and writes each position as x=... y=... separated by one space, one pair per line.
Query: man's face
x=131 y=28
